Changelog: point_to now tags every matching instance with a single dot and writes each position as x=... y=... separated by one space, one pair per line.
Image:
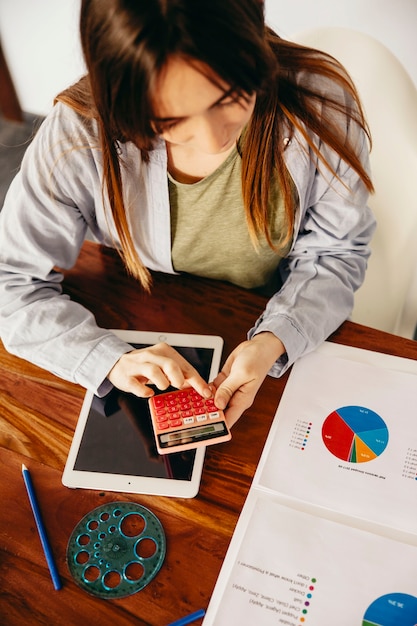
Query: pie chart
x=355 y=434
x=393 y=609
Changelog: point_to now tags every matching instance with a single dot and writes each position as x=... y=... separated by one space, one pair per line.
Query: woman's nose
x=209 y=135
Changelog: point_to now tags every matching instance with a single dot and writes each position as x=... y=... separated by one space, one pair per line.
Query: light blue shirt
x=58 y=195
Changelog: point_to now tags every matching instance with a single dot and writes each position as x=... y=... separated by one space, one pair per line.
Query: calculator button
x=187 y=413
x=188 y=420
x=214 y=415
x=173 y=423
x=162 y=418
x=163 y=425
x=201 y=418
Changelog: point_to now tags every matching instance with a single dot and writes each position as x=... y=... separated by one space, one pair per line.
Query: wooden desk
x=38 y=414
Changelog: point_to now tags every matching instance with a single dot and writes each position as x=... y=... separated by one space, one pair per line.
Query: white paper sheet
x=300 y=456
x=294 y=569
x=303 y=553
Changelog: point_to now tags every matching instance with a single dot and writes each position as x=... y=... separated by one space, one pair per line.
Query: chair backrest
x=388 y=297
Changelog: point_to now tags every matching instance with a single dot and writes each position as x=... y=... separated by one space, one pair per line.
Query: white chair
x=387 y=299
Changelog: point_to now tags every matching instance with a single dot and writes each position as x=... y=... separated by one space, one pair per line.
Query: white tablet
x=113 y=448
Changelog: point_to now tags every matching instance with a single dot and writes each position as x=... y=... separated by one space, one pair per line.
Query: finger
x=180 y=372
x=232 y=415
x=138 y=388
x=173 y=374
x=187 y=377
x=225 y=392
x=232 y=384
x=151 y=373
x=220 y=378
x=198 y=383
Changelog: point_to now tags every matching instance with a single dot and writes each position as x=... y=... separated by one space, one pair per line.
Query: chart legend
x=300 y=434
x=355 y=434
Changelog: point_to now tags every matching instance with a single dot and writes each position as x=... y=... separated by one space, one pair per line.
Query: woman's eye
x=163 y=127
x=234 y=99
x=167 y=127
x=228 y=101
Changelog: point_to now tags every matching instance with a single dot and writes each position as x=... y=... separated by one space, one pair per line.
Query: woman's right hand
x=159 y=365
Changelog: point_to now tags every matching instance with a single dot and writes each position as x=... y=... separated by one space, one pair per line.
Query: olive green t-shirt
x=209 y=232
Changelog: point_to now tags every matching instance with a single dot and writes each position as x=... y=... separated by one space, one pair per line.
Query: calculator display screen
x=197 y=433
x=118 y=435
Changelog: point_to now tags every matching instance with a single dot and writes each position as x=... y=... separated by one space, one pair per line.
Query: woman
x=194 y=117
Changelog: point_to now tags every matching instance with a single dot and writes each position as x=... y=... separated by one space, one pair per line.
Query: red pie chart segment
x=338 y=437
x=355 y=434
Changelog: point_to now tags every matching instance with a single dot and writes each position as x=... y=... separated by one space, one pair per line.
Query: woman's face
x=194 y=112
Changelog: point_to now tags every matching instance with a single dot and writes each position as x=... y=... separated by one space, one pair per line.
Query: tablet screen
x=118 y=436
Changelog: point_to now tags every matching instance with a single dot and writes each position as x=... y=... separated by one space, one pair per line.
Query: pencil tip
x=24 y=467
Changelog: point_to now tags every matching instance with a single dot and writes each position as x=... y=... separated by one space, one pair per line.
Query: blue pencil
x=188 y=618
x=41 y=529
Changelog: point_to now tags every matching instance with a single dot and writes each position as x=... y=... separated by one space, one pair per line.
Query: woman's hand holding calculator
x=244 y=372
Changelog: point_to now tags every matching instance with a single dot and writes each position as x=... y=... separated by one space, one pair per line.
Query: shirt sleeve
x=329 y=256
x=42 y=227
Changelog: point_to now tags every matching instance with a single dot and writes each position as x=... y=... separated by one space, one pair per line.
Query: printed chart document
x=328 y=533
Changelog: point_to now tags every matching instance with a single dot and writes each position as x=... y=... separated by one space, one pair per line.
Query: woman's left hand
x=244 y=372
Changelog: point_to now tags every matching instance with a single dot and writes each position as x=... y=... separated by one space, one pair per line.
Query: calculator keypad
x=183 y=408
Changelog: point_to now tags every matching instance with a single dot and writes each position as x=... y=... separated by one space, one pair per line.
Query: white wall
x=40 y=41
x=40 y=37
x=393 y=22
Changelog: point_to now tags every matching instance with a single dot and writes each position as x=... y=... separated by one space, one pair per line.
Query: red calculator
x=183 y=420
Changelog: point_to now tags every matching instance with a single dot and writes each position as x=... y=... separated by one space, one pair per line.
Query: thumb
x=225 y=392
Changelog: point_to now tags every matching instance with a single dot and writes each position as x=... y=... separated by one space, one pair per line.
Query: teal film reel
x=116 y=549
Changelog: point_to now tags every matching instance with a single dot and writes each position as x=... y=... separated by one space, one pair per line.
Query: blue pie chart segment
x=393 y=609
x=375 y=439
x=360 y=418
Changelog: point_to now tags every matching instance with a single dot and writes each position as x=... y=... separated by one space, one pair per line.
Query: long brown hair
x=126 y=44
